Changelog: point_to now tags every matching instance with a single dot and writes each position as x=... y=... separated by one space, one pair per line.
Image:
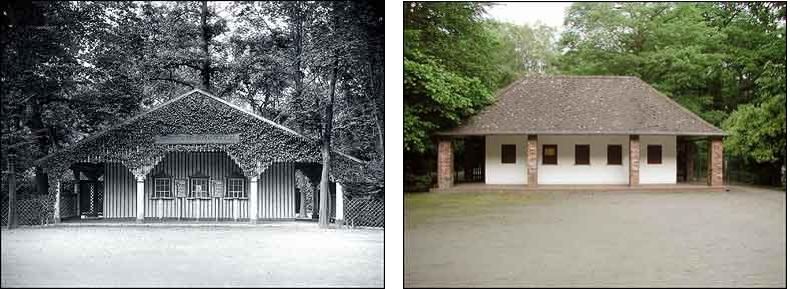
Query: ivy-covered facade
x=195 y=156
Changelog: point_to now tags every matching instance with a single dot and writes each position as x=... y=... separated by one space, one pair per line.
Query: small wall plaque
x=219 y=188
x=180 y=187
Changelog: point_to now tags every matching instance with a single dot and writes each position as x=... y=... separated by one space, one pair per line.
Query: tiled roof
x=584 y=105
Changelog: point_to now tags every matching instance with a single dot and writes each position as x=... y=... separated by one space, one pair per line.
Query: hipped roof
x=584 y=105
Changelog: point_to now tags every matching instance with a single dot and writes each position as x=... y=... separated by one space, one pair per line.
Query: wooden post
x=57 y=203
x=338 y=204
x=253 y=206
x=12 y=220
x=77 y=193
x=140 y=198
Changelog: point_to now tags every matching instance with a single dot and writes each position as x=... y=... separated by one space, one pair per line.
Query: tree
x=534 y=46
x=453 y=61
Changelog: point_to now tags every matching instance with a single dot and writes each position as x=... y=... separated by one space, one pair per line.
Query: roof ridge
x=196 y=90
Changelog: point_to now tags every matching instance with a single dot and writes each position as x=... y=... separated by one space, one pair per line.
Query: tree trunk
x=297 y=33
x=41 y=139
x=373 y=93
x=323 y=216
x=205 y=70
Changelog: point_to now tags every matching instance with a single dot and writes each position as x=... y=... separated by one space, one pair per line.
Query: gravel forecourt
x=613 y=239
x=288 y=255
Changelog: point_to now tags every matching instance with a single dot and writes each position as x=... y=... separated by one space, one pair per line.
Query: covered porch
x=195 y=158
x=486 y=188
x=609 y=163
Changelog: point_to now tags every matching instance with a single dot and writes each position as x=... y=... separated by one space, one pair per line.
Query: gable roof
x=584 y=105
x=204 y=93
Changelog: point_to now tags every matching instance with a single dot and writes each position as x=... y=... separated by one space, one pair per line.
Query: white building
x=580 y=130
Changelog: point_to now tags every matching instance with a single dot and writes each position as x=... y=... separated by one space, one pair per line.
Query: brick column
x=445 y=163
x=716 y=167
x=532 y=160
x=633 y=160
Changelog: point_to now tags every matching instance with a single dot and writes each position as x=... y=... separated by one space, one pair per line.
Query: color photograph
x=594 y=144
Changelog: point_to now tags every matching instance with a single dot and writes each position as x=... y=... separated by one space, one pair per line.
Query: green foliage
x=724 y=61
x=758 y=132
x=533 y=46
x=453 y=61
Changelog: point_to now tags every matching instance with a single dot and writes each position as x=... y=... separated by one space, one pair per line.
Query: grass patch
x=422 y=207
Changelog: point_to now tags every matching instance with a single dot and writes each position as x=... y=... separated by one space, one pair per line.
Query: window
x=582 y=153
x=654 y=154
x=162 y=188
x=508 y=154
x=614 y=155
x=198 y=188
x=550 y=154
x=235 y=188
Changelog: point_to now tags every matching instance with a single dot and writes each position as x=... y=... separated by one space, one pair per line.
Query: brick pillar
x=716 y=167
x=445 y=164
x=532 y=160
x=633 y=160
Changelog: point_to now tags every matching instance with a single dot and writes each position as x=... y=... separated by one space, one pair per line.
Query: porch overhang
x=489 y=188
x=505 y=132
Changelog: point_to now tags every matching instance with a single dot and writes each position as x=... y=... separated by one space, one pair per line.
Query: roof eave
x=505 y=132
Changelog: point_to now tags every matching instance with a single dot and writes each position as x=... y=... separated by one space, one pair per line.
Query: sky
x=549 y=13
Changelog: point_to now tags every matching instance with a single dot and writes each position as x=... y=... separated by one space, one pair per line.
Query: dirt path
x=188 y=256
x=596 y=239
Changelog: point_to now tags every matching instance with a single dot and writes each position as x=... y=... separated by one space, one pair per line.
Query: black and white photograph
x=183 y=144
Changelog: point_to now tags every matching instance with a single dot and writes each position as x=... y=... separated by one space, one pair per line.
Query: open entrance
x=692 y=160
x=89 y=182
x=91 y=194
x=470 y=159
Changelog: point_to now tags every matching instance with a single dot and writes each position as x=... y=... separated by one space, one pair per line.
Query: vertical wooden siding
x=276 y=189
x=277 y=192
x=119 y=192
x=180 y=165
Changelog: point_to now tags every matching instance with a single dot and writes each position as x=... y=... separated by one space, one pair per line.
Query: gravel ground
x=296 y=255
x=725 y=239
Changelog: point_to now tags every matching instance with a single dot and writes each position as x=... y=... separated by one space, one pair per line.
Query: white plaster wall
x=664 y=173
x=498 y=173
x=597 y=172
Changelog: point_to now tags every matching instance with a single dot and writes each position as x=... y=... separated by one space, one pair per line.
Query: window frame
x=576 y=154
x=502 y=153
x=192 y=194
x=660 y=154
x=555 y=157
x=157 y=194
x=609 y=157
x=241 y=194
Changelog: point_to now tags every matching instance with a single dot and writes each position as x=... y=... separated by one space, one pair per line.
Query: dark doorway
x=470 y=160
x=91 y=198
